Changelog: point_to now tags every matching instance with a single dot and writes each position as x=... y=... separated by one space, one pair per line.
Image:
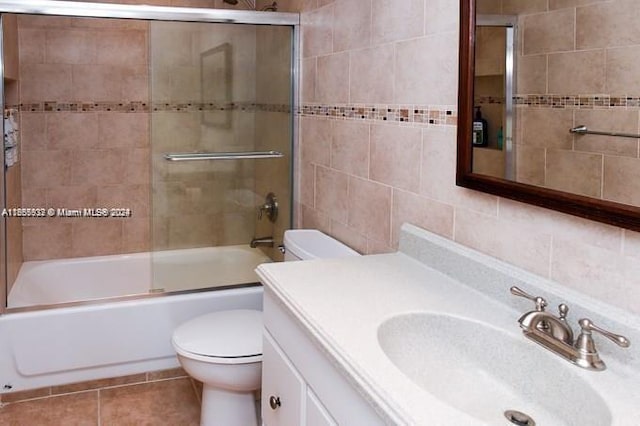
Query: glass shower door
x=221 y=141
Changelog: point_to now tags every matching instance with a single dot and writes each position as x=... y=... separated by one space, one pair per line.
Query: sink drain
x=519 y=418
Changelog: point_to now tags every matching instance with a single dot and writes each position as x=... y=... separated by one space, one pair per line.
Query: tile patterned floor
x=173 y=401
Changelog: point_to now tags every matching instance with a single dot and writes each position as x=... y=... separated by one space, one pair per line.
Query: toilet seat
x=225 y=337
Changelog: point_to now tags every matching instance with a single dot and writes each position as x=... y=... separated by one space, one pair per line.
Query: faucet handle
x=588 y=326
x=540 y=302
x=563 y=310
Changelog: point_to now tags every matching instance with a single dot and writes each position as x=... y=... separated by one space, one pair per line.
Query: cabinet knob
x=274 y=402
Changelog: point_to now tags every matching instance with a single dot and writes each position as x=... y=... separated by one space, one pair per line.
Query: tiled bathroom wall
x=362 y=176
x=85 y=137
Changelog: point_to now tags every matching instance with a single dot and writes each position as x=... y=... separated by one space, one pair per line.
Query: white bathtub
x=70 y=344
x=69 y=280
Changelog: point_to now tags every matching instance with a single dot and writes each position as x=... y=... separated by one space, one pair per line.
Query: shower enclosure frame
x=147 y=13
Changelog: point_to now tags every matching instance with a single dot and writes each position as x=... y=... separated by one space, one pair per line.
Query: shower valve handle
x=270 y=207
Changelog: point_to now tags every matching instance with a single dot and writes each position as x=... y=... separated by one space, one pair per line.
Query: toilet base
x=227 y=408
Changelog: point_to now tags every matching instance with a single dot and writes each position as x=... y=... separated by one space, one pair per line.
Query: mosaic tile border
x=577 y=101
x=410 y=114
x=139 y=106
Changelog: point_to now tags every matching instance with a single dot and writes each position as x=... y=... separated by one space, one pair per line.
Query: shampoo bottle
x=480 y=130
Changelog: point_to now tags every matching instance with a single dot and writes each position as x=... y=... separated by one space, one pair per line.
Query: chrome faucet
x=555 y=333
x=265 y=241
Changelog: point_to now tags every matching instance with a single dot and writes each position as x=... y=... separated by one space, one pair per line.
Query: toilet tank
x=305 y=244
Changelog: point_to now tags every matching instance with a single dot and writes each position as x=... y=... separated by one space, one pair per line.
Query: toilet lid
x=224 y=334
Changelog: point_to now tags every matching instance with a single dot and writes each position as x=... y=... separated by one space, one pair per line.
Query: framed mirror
x=549 y=106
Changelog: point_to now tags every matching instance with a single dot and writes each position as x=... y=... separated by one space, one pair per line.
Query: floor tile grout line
x=93 y=390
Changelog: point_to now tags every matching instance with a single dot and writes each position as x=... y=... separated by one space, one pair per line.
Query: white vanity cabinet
x=300 y=385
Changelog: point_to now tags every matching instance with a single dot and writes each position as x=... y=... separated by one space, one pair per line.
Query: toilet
x=223 y=349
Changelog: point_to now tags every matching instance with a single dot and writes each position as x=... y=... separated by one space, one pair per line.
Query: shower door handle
x=196 y=156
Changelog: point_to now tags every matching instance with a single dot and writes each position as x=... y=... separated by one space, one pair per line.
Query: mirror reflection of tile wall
x=577 y=64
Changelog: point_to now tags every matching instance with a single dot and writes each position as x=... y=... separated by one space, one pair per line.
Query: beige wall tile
x=622 y=70
x=99 y=83
x=618 y=120
x=622 y=180
x=393 y=21
x=72 y=131
x=489 y=7
x=438 y=174
x=317 y=32
x=32 y=131
x=577 y=72
x=560 y=225
x=136 y=235
x=332 y=193
x=490 y=54
x=371 y=75
x=420 y=211
x=40 y=21
x=100 y=166
x=441 y=16
x=45 y=81
x=42 y=169
x=350 y=237
x=31 y=45
x=594 y=271
x=70 y=46
x=313 y=219
x=309 y=79
x=124 y=47
x=379 y=247
x=546 y=127
x=127 y=196
x=549 y=32
x=415 y=71
x=395 y=156
x=522 y=7
x=560 y=4
x=350 y=148
x=138 y=166
x=96 y=237
x=608 y=24
x=308 y=184
x=193 y=230
x=40 y=241
x=332 y=86
x=72 y=196
x=530 y=249
x=129 y=130
x=370 y=209
x=532 y=74
x=530 y=164
x=574 y=172
x=316 y=144
x=352 y=26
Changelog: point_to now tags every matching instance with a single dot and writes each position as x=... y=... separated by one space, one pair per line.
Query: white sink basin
x=484 y=371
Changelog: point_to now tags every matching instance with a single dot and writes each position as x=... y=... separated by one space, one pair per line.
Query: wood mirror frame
x=622 y=215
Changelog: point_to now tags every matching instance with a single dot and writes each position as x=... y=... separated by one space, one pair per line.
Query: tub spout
x=265 y=241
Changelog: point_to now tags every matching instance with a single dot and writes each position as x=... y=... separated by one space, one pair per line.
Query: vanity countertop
x=341 y=302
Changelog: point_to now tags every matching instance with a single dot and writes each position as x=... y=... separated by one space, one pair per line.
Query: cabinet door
x=316 y=414
x=282 y=387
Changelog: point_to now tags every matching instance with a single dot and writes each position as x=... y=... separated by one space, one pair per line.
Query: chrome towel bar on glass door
x=194 y=156
x=582 y=130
